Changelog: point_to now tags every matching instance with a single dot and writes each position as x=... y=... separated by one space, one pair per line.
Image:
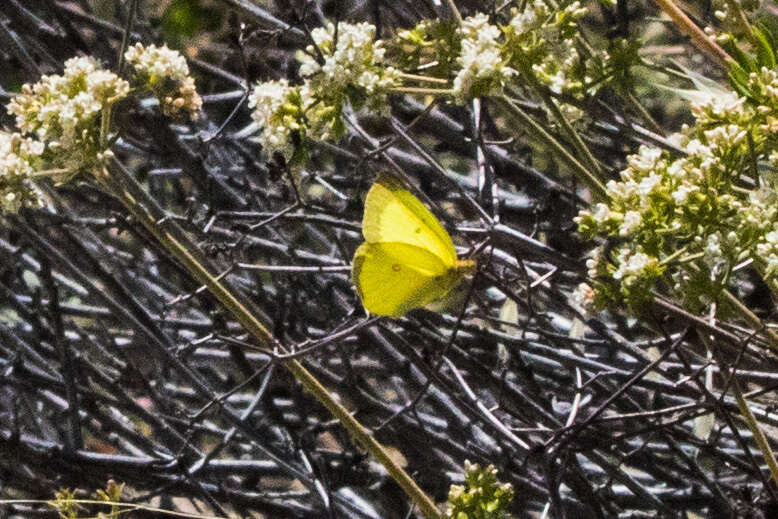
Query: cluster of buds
x=165 y=73
x=18 y=156
x=482 y=496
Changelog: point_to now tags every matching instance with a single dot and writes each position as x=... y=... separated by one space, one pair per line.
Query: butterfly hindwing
x=393 y=214
x=395 y=277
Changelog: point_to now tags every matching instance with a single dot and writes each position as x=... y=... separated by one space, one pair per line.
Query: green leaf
x=739 y=79
x=764 y=51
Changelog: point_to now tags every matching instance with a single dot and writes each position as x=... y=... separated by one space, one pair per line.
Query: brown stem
x=701 y=40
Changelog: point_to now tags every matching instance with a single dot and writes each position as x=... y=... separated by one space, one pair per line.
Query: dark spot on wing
x=396 y=267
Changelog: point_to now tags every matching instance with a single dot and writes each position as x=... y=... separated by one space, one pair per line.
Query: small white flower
x=698 y=149
x=676 y=169
x=593 y=262
x=601 y=213
x=631 y=265
x=16 y=169
x=621 y=190
x=584 y=297
x=646 y=160
x=649 y=184
x=682 y=193
x=532 y=17
x=631 y=223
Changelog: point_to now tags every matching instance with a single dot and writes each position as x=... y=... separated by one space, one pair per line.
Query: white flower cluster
x=549 y=36
x=718 y=105
x=768 y=251
x=640 y=179
x=273 y=109
x=696 y=207
x=166 y=74
x=352 y=69
x=484 y=70
x=531 y=18
x=632 y=265
x=556 y=73
x=356 y=59
x=768 y=79
x=762 y=213
x=157 y=62
x=16 y=155
x=63 y=111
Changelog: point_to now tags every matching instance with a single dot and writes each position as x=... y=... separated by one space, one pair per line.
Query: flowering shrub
x=63 y=120
x=213 y=254
x=715 y=204
x=352 y=67
x=477 y=59
x=663 y=214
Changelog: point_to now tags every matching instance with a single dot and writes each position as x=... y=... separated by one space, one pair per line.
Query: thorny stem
x=150 y=215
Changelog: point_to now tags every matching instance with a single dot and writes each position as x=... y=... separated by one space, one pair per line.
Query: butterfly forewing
x=393 y=214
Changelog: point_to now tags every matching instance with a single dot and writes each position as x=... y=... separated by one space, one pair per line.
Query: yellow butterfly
x=408 y=259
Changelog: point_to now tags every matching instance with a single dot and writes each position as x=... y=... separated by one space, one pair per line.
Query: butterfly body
x=408 y=260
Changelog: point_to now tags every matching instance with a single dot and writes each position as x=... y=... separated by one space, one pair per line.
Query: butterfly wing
x=393 y=278
x=393 y=214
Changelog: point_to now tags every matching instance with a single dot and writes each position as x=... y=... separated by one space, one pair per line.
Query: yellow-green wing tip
x=389 y=181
